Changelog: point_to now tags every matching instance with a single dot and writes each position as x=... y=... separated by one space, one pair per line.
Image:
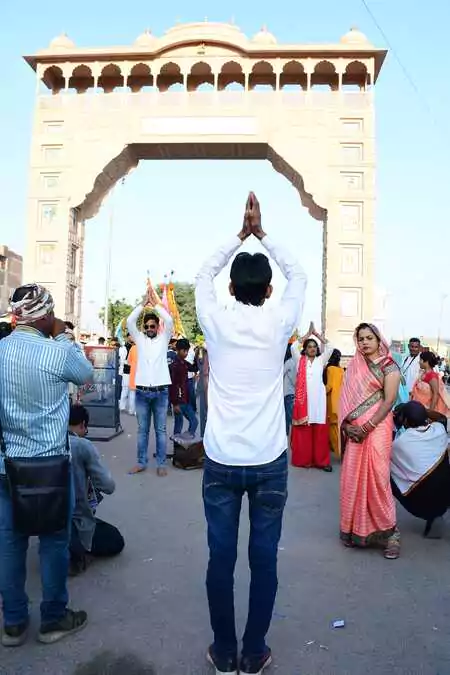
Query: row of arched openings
x=201 y=76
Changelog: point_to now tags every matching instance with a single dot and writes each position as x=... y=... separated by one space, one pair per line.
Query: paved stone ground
x=151 y=600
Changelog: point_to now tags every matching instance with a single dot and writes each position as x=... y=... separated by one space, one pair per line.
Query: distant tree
x=118 y=310
x=185 y=299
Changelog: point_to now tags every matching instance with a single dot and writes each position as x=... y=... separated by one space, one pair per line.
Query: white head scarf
x=36 y=304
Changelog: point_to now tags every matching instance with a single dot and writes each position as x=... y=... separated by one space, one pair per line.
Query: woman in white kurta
x=310 y=435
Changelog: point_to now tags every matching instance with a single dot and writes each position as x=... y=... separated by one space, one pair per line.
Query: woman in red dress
x=429 y=389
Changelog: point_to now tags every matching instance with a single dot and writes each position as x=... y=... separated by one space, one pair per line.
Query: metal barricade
x=101 y=396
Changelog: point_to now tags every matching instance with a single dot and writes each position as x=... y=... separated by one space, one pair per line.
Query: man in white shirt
x=245 y=439
x=152 y=379
x=411 y=365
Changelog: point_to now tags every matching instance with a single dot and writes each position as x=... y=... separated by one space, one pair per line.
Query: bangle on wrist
x=374 y=426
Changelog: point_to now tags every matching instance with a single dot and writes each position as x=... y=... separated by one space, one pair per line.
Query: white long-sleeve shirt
x=151 y=369
x=411 y=370
x=246 y=347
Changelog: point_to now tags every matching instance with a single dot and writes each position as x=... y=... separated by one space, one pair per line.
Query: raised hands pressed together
x=252 y=219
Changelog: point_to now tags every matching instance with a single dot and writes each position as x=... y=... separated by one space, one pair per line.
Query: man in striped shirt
x=37 y=362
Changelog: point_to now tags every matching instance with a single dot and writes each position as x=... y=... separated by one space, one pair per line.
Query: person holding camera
x=37 y=362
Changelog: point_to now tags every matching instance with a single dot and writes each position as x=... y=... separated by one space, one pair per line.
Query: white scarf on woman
x=415 y=453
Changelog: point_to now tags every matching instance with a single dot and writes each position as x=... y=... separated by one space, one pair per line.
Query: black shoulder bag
x=40 y=489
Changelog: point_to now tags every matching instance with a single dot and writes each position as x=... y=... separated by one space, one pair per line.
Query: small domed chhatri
x=62 y=42
x=146 y=39
x=263 y=37
x=355 y=37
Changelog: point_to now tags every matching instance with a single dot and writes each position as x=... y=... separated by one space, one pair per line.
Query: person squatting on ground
x=245 y=439
x=37 y=362
x=179 y=390
x=90 y=535
x=152 y=379
x=420 y=469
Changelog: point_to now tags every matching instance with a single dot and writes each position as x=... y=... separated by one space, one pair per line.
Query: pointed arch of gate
x=129 y=158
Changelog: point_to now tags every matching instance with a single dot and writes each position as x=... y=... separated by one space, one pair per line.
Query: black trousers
x=106 y=542
x=431 y=498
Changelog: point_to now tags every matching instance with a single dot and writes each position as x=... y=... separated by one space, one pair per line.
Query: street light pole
x=108 y=264
x=441 y=316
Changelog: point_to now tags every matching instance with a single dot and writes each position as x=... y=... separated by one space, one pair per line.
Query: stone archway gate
x=307 y=108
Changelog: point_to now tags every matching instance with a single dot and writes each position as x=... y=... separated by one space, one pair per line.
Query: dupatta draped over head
x=364 y=380
x=367 y=505
x=300 y=409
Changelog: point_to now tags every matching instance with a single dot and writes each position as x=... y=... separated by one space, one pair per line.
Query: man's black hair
x=69 y=325
x=251 y=276
x=151 y=316
x=110 y=664
x=183 y=343
x=78 y=415
x=414 y=340
x=101 y=340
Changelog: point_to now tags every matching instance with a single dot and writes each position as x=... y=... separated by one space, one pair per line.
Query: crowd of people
x=264 y=396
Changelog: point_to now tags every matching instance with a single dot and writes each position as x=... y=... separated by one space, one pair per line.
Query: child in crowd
x=179 y=389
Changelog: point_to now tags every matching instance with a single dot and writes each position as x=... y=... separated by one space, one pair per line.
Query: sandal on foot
x=392 y=550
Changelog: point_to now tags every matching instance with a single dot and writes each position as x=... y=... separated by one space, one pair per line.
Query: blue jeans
x=187 y=412
x=223 y=489
x=54 y=558
x=148 y=402
x=288 y=409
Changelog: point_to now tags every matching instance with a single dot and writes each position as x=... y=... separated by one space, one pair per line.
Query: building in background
x=10 y=275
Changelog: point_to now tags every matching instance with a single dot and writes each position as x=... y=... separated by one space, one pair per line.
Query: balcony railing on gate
x=219 y=99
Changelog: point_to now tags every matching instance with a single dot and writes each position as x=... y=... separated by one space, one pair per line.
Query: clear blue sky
x=169 y=215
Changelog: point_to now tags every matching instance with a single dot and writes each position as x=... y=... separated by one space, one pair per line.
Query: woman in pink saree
x=369 y=392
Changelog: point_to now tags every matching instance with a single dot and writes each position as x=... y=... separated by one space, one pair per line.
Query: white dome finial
x=146 y=39
x=62 y=42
